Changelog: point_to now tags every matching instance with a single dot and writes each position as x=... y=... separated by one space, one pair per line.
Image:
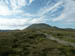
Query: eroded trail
x=58 y=40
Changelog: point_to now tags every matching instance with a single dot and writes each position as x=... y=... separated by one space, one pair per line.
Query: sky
x=19 y=14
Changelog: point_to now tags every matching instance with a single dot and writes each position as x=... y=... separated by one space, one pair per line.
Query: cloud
x=68 y=14
x=3 y=9
x=37 y=20
x=48 y=8
x=61 y=17
x=30 y=1
x=13 y=23
x=20 y=23
x=15 y=4
x=12 y=7
x=19 y=19
x=30 y=15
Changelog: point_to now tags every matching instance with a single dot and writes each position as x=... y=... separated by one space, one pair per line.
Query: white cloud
x=36 y=20
x=11 y=7
x=41 y=19
x=29 y=15
x=15 y=4
x=61 y=17
x=30 y=1
x=16 y=23
x=68 y=14
x=48 y=8
x=3 y=9
x=13 y=23
x=20 y=23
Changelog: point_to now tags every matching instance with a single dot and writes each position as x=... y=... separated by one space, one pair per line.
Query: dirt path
x=58 y=40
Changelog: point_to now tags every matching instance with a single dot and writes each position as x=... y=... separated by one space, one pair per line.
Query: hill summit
x=39 y=26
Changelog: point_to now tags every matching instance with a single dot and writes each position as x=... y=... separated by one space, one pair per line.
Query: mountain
x=46 y=26
x=38 y=40
x=39 y=26
x=5 y=30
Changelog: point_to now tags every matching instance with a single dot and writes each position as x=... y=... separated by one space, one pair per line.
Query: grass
x=31 y=43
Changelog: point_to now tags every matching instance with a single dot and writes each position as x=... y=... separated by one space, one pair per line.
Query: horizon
x=36 y=24
x=19 y=14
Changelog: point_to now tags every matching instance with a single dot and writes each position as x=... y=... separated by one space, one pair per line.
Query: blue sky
x=18 y=14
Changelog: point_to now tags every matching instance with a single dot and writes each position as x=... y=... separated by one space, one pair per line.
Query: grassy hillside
x=33 y=42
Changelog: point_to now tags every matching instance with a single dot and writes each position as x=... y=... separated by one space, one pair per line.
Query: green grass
x=31 y=43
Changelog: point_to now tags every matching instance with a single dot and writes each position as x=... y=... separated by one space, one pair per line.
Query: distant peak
x=39 y=26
